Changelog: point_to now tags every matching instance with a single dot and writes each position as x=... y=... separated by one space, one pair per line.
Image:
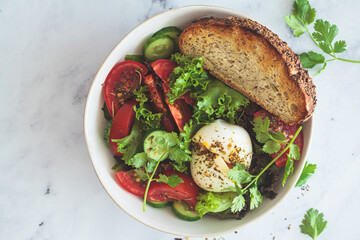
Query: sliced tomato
x=120 y=83
x=122 y=125
x=163 y=68
x=157 y=98
x=189 y=100
x=129 y=181
x=180 y=111
x=288 y=130
x=187 y=191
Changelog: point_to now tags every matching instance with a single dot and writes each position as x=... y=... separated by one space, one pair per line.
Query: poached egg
x=216 y=147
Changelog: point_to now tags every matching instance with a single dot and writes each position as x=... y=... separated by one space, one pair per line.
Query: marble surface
x=50 y=52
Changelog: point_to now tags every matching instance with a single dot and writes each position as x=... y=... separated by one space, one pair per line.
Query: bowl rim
x=276 y=204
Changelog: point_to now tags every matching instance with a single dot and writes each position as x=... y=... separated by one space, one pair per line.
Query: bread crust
x=297 y=74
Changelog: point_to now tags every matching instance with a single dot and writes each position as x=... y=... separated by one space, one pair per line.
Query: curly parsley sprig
x=239 y=174
x=323 y=36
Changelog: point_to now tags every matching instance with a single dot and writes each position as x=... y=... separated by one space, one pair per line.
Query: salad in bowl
x=182 y=143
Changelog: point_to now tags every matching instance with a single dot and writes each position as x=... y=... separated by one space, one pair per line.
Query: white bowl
x=102 y=158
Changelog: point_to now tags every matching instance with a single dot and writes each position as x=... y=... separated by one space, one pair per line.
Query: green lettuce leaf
x=188 y=76
x=214 y=202
x=219 y=101
x=148 y=119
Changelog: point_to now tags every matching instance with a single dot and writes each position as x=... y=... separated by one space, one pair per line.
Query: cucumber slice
x=158 y=204
x=136 y=58
x=158 y=143
x=158 y=47
x=183 y=211
x=170 y=31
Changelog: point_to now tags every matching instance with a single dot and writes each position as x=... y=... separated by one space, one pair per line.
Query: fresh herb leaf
x=131 y=144
x=141 y=174
x=238 y=203
x=313 y=223
x=307 y=172
x=339 y=46
x=239 y=174
x=279 y=136
x=325 y=33
x=271 y=147
x=255 y=197
x=107 y=133
x=294 y=152
x=214 y=202
x=295 y=24
x=310 y=59
x=172 y=180
x=148 y=119
x=261 y=129
x=141 y=160
x=107 y=115
x=289 y=168
x=303 y=11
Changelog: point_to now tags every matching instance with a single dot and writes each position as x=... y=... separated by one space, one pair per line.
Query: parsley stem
x=307 y=30
x=347 y=60
x=276 y=158
x=149 y=181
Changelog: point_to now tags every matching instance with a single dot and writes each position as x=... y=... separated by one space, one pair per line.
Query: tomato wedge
x=180 y=111
x=288 y=130
x=129 y=181
x=122 y=124
x=187 y=191
x=163 y=68
x=120 y=83
x=159 y=103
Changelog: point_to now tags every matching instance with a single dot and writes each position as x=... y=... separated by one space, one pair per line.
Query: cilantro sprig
x=241 y=177
x=301 y=18
x=307 y=172
x=313 y=223
x=272 y=144
x=172 y=180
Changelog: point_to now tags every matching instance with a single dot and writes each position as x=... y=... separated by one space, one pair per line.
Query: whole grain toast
x=253 y=60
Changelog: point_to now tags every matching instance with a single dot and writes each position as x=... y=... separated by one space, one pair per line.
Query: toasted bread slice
x=253 y=60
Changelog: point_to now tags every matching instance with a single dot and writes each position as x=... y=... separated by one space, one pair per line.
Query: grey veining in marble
x=50 y=52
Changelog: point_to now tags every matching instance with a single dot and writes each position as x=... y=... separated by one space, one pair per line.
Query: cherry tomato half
x=288 y=130
x=163 y=68
x=122 y=124
x=120 y=83
x=187 y=191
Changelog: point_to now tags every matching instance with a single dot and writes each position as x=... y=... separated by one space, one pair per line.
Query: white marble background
x=49 y=54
